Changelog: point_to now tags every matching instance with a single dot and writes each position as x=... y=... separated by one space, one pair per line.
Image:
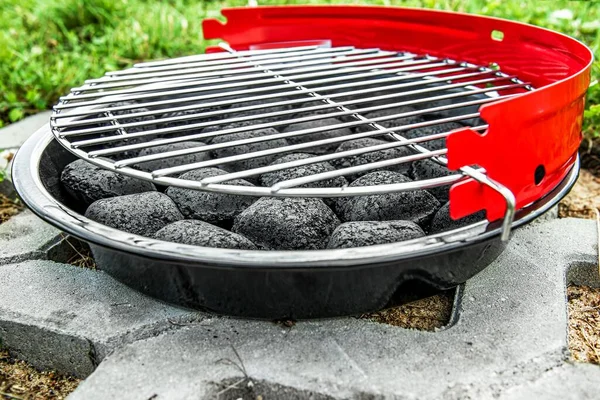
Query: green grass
x=49 y=46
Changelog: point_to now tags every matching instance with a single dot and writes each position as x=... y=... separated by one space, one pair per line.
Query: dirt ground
x=19 y=380
x=8 y=208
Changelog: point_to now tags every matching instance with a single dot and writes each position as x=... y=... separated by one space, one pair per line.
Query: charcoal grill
x=518 y=90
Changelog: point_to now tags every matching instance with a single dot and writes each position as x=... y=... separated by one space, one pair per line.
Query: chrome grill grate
x=109 y=120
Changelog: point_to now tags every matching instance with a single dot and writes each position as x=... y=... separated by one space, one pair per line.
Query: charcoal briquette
x=212 y=207
x=442 y=221
x=428 y=169
x=134 y=118
x=172 y=161
x=367 y=158
x=247 y=148
x=311 y=137
x=271 y=178
x=87 y=183
x=368 y=233
x=141 y=214
x=287 y=223
x=417 y=206
x=200 y=233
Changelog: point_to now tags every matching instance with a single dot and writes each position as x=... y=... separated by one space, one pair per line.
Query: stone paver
x=68 y=318
x=509 y=340
x=25 y=236
x=14 y=135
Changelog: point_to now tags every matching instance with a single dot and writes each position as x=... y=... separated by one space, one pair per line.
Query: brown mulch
x=584 y=323
x=426 y=314
x=18 y=380
x=8 y=208
x=584 y=199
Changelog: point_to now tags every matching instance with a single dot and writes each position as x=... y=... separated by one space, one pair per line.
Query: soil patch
x=8 y=208
x=584 y=323
x=19 y=380
x=584 y=198
x=426 y=314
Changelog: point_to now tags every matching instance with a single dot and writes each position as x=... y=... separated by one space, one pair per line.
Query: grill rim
x=30 y=188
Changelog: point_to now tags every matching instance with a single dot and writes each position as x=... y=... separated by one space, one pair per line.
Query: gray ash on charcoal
x=311 y=137
x=142 y=214
x=247 y=148
x=442 y=221
x=172 y=161
x=87 y=183
x=200 y=233
x=371 y=157
x=287 y=223
x=428 y=169
x=215 y=208
x=417 y=206
x=436 y=144
x=368 y=233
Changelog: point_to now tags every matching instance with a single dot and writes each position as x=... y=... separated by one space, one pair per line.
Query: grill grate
x=364 y=93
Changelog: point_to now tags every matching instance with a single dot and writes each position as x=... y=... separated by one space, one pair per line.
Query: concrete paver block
x=25 y=236
x=68 y=318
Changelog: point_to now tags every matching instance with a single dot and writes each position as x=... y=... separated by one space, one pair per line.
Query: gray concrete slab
x=68 y=318
x=14 y=135
x=510 y=338
x=24 y=237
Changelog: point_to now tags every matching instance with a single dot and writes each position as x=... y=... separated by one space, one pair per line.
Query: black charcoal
x=134 y=118
x=247 y=148
x=221 y=127
x=442 y=221
x=87 y=183
x=367 y=158
x=436 y=144
x=271 y=178
x=311 y=137
x=172 y=161
x=142 y=214
x=215 y=208
x=417 y=206
x=368 y=233
x=200 y=233
x=428 y=169
x=287 y=223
